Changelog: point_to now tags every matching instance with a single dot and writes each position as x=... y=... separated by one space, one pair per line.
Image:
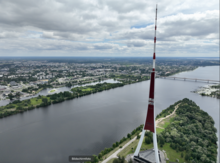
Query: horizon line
x=112 y=56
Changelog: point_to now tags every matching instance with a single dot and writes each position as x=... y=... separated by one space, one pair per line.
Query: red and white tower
x=150 y=118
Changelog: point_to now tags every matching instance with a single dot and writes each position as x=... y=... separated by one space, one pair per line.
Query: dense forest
x=192 y=132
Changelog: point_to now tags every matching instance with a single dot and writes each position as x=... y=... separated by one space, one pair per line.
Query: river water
x=87 y=125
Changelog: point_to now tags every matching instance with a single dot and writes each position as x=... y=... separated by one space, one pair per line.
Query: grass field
x=128 y=149
x=131 y=148
x=87 y=89
x=146 y=146
x=164 y=123
x=83 y=89
x=35 y=101
x=159 y=130
x=172 y=154
x=113 y=151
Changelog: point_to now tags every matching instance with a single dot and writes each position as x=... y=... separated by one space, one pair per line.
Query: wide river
x=87 y=125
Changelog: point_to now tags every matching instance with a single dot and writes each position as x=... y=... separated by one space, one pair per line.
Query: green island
x=52 y=90
x=190 y=132
x=186 y=134
x=211 y=91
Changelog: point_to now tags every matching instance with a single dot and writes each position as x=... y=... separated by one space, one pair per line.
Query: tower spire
x=150 y=118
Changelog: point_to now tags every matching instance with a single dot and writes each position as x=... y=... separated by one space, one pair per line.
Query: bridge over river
x=190 y=79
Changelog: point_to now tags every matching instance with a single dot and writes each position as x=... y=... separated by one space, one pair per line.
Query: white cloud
x=93 y=27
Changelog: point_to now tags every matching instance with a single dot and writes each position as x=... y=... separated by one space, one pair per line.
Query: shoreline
x=36 y=102
x=183 y=71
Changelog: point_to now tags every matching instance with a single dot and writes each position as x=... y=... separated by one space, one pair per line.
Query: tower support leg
x=155 y=140
x=155 y=147
x=139 y=143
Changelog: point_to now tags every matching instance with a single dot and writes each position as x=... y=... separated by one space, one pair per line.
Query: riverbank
x=170 y=74
x=42 y=101
x=18 y=106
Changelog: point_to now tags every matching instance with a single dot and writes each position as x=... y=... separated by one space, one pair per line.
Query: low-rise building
x=13 y=83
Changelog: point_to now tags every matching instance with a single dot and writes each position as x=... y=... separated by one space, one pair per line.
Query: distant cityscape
x=27 y=77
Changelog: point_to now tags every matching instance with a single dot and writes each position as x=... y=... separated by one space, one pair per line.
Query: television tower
x=150 y=118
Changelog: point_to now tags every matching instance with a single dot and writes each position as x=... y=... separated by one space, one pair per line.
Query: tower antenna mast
x=150 y=118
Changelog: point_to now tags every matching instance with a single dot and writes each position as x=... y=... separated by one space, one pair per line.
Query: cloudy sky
x=109 y=28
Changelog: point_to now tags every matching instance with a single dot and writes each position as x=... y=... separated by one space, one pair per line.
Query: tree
x=45 y=100
x=116 y=160
x=19 y=108
x=122 y=159
x=24 y=90
x=18 y=94
x=69 y=84
x=96 y=160
x=129 y=135
x=10 y=96
x=133 y=132
x=162 y=141
x=187 y=157
x=100 y=155
x=119 y=159
x=147 y=140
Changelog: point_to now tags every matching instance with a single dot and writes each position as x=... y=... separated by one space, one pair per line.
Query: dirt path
x=159 y=127
x=160 y=120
